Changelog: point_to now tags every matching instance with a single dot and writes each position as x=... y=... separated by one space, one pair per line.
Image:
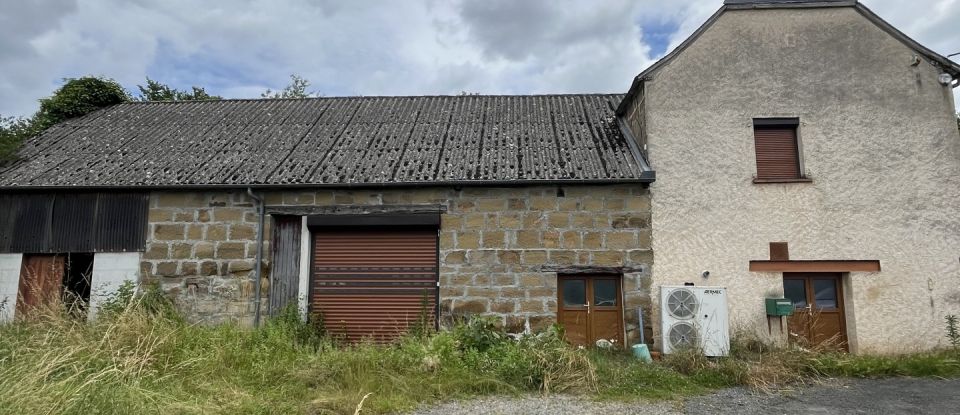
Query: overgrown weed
x=141 y=356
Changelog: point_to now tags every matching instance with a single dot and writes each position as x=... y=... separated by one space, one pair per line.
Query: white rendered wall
x=110 y=270
x=304 y=278
x=878 y=139
x=9 y=285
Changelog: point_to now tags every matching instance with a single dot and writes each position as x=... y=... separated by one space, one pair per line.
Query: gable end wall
x=878 y=138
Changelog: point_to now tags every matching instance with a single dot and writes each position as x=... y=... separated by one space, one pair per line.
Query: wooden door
x=818 y=319
x=590 y=308
x=41 y=282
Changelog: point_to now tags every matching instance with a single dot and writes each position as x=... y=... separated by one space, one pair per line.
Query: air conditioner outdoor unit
x=693 y=316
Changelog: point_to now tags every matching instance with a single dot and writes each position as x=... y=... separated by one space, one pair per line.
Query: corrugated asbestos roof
x=335 y=141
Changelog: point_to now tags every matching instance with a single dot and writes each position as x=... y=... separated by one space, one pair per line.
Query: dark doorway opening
x=76 y=281
x=55 y=280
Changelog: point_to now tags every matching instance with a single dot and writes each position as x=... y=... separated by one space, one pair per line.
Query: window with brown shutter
x=778 y=155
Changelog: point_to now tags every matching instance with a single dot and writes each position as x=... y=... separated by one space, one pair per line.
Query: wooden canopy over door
x=374 y=283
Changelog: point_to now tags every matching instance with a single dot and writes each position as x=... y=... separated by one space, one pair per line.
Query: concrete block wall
x=499 y=247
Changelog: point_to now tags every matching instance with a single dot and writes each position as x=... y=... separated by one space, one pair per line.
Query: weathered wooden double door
x=590 y=308
x=818 y=318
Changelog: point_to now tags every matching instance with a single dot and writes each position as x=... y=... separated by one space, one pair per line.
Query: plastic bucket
x=640 y=351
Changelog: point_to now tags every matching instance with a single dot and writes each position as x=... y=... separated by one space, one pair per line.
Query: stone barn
x=371 y=213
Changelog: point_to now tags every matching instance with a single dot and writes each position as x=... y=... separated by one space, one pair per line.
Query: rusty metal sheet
x=374 y=284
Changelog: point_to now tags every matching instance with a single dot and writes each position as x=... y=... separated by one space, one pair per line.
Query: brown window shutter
x=777 y=154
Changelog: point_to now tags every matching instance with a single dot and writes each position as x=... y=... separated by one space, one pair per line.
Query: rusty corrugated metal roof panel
x=335 y=141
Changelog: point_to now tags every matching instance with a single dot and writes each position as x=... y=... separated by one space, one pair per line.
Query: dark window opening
x=574 y=292
x=777 y=150
x=796 y=291
x=605 y=292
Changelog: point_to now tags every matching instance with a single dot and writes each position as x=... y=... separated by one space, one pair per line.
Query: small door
x=818 y=318
x=590 y=308
x=41 y=282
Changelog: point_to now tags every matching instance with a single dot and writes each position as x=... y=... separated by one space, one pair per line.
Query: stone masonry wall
x=202 y=248
x=499 y=247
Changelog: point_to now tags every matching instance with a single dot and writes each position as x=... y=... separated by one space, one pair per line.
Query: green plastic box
x=779 y=307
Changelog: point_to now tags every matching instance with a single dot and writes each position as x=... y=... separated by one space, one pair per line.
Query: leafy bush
x=479 y=334
x=78 y=97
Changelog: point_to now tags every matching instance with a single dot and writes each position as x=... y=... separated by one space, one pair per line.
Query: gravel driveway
x=847 y=396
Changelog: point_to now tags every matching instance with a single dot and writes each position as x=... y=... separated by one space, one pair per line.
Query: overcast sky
x=412 y=47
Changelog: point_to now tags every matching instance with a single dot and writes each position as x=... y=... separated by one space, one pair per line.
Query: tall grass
x=138 y=361
x=140 y=357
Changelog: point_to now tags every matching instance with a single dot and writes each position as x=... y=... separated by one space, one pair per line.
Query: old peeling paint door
x=41 y=282
x=590 y=308
x=818 y=319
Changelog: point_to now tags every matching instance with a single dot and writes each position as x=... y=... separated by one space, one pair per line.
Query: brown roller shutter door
x=374 y=284
x=777 y=154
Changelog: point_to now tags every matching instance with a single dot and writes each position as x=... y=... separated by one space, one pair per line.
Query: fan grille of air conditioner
x=683 y=335
x=682 y=303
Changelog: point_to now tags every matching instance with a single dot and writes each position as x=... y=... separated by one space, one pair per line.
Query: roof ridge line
x=201 y=101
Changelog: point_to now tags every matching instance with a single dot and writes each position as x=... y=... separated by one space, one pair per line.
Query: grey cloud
x=21 y=21
x=518 y=30
x=510 y=29
x=375 y=47
x=23 y=78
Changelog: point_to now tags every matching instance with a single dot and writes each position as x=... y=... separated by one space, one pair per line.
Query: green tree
x=156 y=91
x=78 y=97
x=13 y=131
x=296 y=89
x=75 y=98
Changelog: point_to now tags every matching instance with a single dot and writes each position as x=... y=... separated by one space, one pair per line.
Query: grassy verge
x=143 y=359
